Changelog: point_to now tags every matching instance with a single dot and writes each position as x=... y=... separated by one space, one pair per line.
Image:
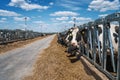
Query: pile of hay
x=53 y=64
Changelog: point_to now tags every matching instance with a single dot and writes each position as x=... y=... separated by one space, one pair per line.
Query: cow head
x=84 y=34
x=71 y=37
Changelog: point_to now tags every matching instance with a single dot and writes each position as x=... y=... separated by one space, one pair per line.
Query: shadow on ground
x=89 y=71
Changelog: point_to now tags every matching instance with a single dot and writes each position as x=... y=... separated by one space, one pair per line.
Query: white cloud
x=28 y=1
x=51 y=3
x=2 y=20
x=26 y=6
x=70 y=6
x=62 y=18
x=102 y=15
x=8 y=13
x=71 y=22
x=81 y=19
x=64 y=13
x=63 y=21
x=41 y=24
x=104 y=5
x=21 y=18
x=66 y=24
x=38 y=22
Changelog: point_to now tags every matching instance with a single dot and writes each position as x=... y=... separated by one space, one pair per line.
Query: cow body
x=73 y=39
x=78 y=36
x=114 y=34
x=114 y=37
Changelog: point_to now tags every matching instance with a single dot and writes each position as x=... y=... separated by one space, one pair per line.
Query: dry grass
x=53 y=64
x=10 y=46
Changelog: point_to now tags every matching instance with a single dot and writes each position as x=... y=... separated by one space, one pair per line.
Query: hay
x=53 y=64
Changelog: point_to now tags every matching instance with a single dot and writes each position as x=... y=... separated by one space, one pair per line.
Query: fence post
x=104 y=45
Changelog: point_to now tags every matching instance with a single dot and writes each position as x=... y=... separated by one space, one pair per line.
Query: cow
x=65 y=37
x=61 y=38
x=114 y=41
x=74 y=39
x=113 y=34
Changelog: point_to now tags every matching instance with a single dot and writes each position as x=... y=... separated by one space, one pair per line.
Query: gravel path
x=17 y=63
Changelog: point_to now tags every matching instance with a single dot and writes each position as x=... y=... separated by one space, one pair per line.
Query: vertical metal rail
x=118 y=63
x=98 y=43
x=94 y=46
x=111 y=48
x=89 y=41
x=104 y=47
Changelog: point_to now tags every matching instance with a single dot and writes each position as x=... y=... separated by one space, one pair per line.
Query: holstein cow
x=61 y=37
x=65 y=37
x=77 y=36
x=114 y=42
x=114 y=36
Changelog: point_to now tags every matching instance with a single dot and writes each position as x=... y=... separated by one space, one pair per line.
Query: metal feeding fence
x=100 y=58
x=7 y=36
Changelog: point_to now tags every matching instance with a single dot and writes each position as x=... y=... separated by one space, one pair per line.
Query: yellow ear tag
x=83 y=32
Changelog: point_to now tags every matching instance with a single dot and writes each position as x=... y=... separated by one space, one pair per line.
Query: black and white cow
x=65 y=37
x=61 y=37
x=114 y=42
x=81 y=36
x=74 y=39
x=114 y=36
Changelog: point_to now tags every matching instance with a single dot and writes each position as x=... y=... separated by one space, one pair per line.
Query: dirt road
x=17 y=63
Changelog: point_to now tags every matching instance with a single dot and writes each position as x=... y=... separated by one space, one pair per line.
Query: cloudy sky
x=52 y=15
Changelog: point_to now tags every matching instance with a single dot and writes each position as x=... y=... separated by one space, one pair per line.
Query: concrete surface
x=17 y=63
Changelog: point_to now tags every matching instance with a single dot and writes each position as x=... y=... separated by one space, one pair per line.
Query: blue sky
x=52 y=15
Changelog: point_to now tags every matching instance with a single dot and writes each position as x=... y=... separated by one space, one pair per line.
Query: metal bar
x=94 y=46
x=111 y=50
x=113 y=17
x=90 y=41
x=98 y=43
x=118 y=63
x=8 y=36
x=104 y=47
x=101 y=69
